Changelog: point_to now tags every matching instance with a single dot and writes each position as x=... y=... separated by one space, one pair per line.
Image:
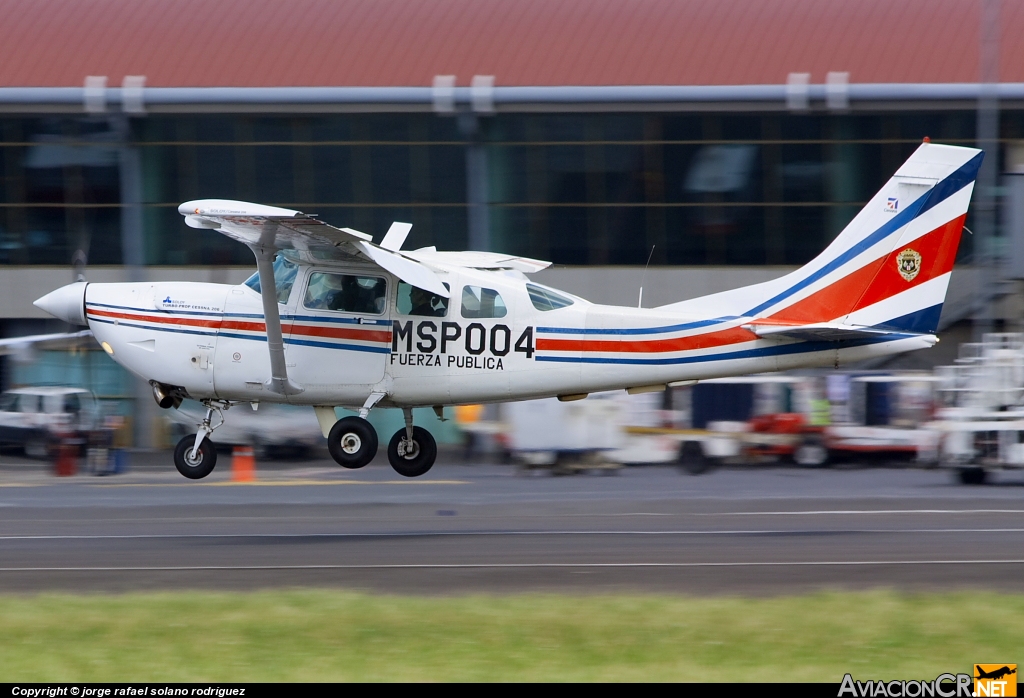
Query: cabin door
x=339 y=336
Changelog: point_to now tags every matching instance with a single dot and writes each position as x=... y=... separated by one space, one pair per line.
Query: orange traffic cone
x=243 y=464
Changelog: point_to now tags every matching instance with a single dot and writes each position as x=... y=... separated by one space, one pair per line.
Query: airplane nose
x=66 y=303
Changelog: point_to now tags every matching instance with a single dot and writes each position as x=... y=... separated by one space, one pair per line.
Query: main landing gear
x=352 y=443
x=412 y=450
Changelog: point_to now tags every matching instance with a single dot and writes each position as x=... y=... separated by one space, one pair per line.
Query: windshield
x=285 y=272
x=546 y=299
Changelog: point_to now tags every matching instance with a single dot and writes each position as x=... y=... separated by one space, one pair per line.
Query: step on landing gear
x=195 y=456
x=412 y=450
x=352 y=442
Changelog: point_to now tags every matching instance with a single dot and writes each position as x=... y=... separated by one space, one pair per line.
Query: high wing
x=267 y=229
x=479 y=260
x=60 y=340
x=273 y=228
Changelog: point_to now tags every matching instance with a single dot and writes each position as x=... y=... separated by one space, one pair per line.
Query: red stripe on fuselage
x=877 y=280
x=717 y=338
x=187 y=322
x=247 y=325
x=339 y=333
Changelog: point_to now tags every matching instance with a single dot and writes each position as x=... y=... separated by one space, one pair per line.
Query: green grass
x=341 y=636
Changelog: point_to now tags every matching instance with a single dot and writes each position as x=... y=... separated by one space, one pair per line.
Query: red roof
x=267 y=43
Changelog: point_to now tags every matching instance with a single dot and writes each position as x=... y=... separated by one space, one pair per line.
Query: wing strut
x=279 y=382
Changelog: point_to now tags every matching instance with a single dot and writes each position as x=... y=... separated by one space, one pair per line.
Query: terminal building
x=722 y=143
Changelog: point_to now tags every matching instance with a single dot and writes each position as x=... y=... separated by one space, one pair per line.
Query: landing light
x=107 y=348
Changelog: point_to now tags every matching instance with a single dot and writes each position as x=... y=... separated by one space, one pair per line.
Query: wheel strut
x=205 y=427
x=407 y=412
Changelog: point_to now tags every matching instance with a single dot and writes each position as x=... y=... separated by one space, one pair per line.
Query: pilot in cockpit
x=427 y=304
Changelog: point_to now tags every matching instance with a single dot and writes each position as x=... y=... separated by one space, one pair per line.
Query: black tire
x=972 y=476
x=37 y=446
x=352 y=442
x=811 y=453
x=419 y=460
x=204 y=463
x=692 y=458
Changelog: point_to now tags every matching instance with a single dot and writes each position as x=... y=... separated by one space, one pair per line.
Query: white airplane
x=331 y=319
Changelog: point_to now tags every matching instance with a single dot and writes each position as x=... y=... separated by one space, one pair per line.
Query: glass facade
x=588 y=188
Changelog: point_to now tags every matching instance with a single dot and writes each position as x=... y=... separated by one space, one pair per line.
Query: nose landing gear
x=193 y=463
x=412 y=450
x=194 y=456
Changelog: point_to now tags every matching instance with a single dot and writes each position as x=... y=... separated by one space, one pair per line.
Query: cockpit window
x=480 y=302
x=546 y=299
x=346 y=292
x=285 y=272
x=411 y=300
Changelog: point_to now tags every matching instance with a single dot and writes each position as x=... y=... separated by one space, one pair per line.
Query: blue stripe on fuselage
x=777 y=350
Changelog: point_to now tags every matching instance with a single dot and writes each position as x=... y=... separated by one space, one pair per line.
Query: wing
x=821 y=332
x=62 y=340
x=270 y=227
x=479 y=260
x=267 y=229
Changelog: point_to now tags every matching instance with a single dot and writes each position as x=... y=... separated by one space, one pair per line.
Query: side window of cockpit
x=546 y=299
x=346 y=292
x=416 y=301
x=480 y=302
x=285 y=272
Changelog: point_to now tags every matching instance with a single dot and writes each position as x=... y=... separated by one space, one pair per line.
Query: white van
x=31 y=417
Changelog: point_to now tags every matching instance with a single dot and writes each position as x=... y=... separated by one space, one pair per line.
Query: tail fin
x=890 y=266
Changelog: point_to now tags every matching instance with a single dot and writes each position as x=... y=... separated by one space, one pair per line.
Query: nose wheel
x=352 y=442
x=412 y=457
x=195 y=463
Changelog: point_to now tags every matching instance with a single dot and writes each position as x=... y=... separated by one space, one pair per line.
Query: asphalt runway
x=492 y=529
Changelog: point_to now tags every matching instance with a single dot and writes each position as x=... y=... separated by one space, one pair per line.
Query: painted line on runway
x=438 y=534
x=846 y=512
x=511 y=565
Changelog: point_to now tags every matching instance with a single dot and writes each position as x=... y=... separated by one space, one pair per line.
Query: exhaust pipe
x=166 y=396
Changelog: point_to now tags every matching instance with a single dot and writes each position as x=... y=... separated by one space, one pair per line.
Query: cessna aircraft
x=331 y=319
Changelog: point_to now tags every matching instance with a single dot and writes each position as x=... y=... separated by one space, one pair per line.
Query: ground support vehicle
x=810 y=420
x=980 y=426
x=744 y=443
x=565 y=437
x=38 y=417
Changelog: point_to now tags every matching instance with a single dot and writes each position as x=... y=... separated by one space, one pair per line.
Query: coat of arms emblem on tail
x=908 y=262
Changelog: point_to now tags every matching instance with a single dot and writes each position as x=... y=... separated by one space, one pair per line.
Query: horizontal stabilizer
x=820 y=332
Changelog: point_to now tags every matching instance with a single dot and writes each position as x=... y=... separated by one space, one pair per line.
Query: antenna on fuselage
x=640 y=302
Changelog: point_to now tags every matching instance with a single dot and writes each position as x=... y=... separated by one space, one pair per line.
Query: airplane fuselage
x=210 y=340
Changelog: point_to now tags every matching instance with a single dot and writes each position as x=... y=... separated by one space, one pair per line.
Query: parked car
x=33 y=417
